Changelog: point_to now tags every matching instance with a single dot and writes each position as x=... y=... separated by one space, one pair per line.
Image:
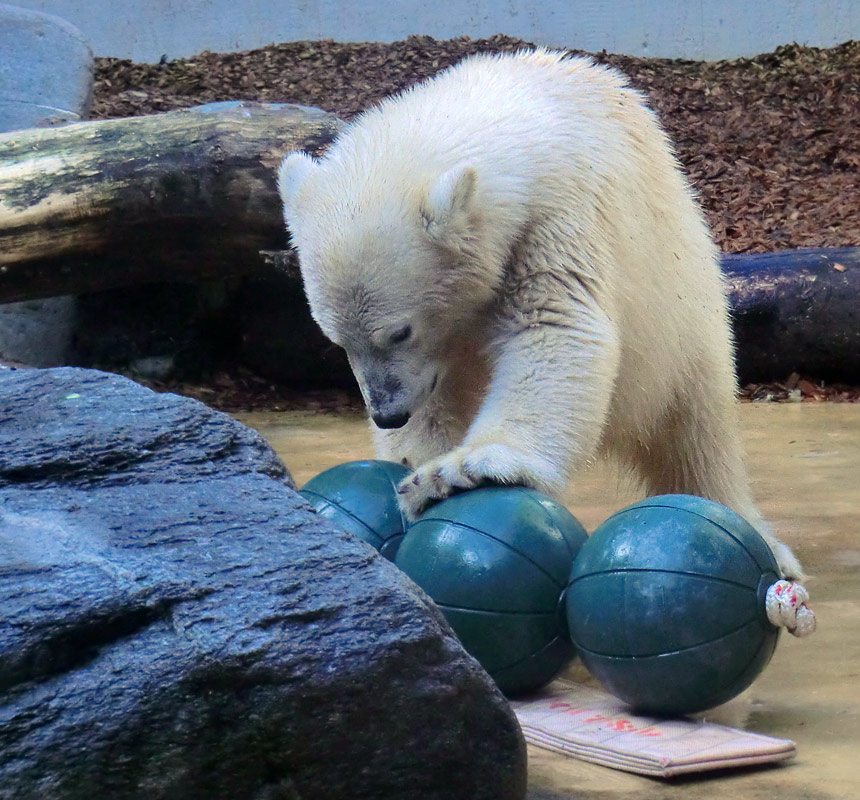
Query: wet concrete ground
x=805 y=464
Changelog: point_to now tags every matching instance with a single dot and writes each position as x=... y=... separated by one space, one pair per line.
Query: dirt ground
x=770 y=143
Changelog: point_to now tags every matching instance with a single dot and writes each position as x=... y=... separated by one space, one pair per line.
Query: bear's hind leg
x=697 y=450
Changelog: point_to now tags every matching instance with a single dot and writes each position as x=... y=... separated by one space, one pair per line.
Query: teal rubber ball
x=666 y=604
x=361 y=497
x=496 y=561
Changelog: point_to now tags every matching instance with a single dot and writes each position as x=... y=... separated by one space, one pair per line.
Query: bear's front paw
x=467 y=468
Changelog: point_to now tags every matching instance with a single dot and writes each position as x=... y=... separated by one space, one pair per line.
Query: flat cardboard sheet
x=587 y=723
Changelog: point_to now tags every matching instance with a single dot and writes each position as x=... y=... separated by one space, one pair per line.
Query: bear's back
x=525 y=112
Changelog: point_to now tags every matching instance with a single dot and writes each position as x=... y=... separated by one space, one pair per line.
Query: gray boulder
x=177 y=622
x=46 y=78
x=46 y=70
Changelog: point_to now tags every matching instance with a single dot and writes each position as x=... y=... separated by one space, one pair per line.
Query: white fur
x=525 y=218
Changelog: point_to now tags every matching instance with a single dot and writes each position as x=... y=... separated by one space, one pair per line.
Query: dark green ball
x=361 y=496
x=496 y=562
x=666 y=604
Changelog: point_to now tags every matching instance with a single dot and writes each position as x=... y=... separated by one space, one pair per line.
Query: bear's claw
x=468 y=468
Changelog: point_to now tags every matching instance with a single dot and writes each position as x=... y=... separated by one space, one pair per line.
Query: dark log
x=176 y=622
x=796 y=311
x=187 y=195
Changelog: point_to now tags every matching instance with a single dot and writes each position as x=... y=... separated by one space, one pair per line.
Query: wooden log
x=796 y=311
x=186 y=195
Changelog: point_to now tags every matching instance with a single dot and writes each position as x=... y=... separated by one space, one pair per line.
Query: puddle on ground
x=804 y=460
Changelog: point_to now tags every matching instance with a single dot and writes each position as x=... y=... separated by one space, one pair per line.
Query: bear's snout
x=389 y=421
x=387 y=402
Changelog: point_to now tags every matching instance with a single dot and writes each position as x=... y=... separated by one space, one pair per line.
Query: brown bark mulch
x=799 y=390
x=770 y=143
x=241 y=391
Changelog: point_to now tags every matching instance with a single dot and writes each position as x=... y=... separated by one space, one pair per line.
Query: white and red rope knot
x=786 y=608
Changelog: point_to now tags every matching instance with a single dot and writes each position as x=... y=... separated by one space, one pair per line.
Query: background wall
x=144 y=30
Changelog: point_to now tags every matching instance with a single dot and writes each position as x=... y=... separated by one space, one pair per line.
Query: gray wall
x=144 y=30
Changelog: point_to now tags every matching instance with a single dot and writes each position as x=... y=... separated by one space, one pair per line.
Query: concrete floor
x=805 y=464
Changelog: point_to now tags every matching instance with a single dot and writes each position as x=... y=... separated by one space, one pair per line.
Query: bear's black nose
x=388 y=421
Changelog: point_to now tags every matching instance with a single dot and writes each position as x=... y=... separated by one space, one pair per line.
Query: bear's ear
x=448 y=210
x=292 y=174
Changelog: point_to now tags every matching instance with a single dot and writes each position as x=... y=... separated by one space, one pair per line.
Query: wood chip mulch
x=241 y=391
x=771 y=143
x=799 y=390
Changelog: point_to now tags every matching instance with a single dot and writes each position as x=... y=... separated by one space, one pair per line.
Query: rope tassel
x=786 y=608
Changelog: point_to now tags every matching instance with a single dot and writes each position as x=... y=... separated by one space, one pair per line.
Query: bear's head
x=393 y=270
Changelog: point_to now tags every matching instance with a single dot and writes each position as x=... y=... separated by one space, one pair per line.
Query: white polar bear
x=522 y=280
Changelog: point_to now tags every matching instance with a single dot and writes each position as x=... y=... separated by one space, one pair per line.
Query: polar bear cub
x=522 y=281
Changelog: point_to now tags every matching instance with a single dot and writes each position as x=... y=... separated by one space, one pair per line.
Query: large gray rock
x=177 y=622
x=46 y=70
x=46 y=78
x=38 y=333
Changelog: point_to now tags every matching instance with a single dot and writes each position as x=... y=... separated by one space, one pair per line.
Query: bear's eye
x=400 y=335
